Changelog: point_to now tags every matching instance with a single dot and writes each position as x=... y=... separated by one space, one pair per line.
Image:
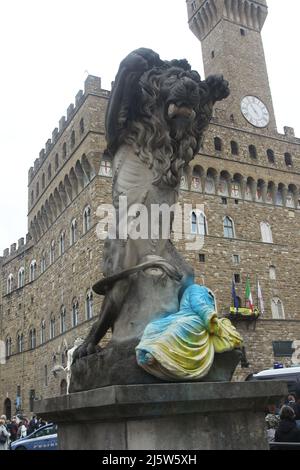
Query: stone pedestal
x=181 y=416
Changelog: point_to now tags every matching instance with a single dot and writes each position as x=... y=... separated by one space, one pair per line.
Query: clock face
x=255 y=111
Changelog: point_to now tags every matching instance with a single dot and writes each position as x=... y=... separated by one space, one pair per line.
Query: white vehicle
x=290 y=375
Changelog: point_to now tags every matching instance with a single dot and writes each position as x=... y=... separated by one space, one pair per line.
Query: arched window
x=228 y=227
x=75 y=313
x=73 y=232
x=21 y=277
x=62 y=240
x=63 y=319
x=20 y=342
x=218 y=144
x=8 y=346
x=271 y=156
x=43 y=331
x=252 y=151
x=234 y=148
x=288 y=160
x=64 y=150
x=43 y=181
x=32 y=338
x=277 y=309
x=291 y=196
x=279 y=195
x=236 y=189
x=43 y=262
x=196 y=179
x=223 y=186
x=32 y=274
x=272 y=272
x=52 y=252
x=56 y=162
x=198 y=223
x=266 y=232
x=52 y=327
x=49 y=172
x=210 y=185
x=89 y=304
x=73 y=138
x=105 y=167
x=86 y=219
x=63 y=387
x=10 y=282
x=81 y=125
x=260 y=190
x=37 y=189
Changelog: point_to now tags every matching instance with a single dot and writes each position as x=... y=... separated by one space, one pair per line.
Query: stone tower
x=230 y=34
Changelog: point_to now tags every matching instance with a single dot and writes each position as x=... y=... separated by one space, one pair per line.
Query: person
x=22 y=431
x=12 y=428
x=33 y=425
x=287 y=430
x=296 y=407
x=4 y=436
x=272 y=419
x=291 y=399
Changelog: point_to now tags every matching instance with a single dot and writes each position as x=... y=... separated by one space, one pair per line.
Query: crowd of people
x=283 y=422
x=17 y=428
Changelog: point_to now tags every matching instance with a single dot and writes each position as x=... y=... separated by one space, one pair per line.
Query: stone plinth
x=181 y=416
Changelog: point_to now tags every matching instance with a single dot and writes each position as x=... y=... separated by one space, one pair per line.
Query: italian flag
x=248 y=295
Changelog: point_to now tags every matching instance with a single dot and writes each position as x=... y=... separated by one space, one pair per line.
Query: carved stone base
x=177 y=416
x=116 y=365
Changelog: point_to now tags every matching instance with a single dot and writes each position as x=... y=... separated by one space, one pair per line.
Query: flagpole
x=257 y=306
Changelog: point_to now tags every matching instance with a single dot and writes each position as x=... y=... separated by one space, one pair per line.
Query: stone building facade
x=246 y=177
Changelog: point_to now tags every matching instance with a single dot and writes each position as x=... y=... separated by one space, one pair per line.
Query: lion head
x=161 y=109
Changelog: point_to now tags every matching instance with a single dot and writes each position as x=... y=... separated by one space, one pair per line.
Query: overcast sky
x=49 y=46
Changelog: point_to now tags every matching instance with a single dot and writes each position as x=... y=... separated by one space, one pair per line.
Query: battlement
x=92 y=86
x=17 y=248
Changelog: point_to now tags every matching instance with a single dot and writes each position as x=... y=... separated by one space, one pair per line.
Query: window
x=236 y=189
x=10 y=282
x=210 y=186
x=202 y=258
x=32 y=338
x=277 y=309
x=52 y=327
x=43 y=181
x=234 y=148
x=20 y=341
x=64 y=150
x=89 y=304
x=49 y=172
x=32 y=197
x=236 y=259
x=198 y=223
x=243 y=32
x=283 y=348
x=75 y=313
x=266 y=233
x=193 y=5
x=32 y=274
x=288 y=160
x=63 y=387
x=228 y=228
x=43 y=332
x=63 y=320
x=52 y=252
x=86 y=219
x=73 y=232
x=237 y=278
x=105 y=167
x=218 y=144
x=224 y=201
x=62 y=243
x=37 y=189
x=252 y=151
x=8 y=348
x=212 y=54
x=73 y=139
x=21 y=278
x=81 y=125
x=56 y=162
x=43 y=263
x=271 y=156
x=272 y=272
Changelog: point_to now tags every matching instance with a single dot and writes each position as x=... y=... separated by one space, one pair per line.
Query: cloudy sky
x=48 y=47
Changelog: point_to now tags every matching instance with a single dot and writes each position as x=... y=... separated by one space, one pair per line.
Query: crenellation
x=5 y=252
x=70 y=111
x=289 y=131
x=30 y=174
x=48 y=146
x=79 y=98
x=36 y=164
x=55 y=135
x=13 y=248
x=42 y=155
x=62 y=123
x=92 y=84
x=20 y=243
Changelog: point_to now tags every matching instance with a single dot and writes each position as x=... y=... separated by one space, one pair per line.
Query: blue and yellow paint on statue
x=182 y=345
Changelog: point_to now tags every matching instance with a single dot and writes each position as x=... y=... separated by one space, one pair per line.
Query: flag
x=260 y=298
x=234 y=296
x=248 y=295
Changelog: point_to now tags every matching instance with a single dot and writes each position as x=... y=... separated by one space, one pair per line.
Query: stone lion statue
x=156 y=116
